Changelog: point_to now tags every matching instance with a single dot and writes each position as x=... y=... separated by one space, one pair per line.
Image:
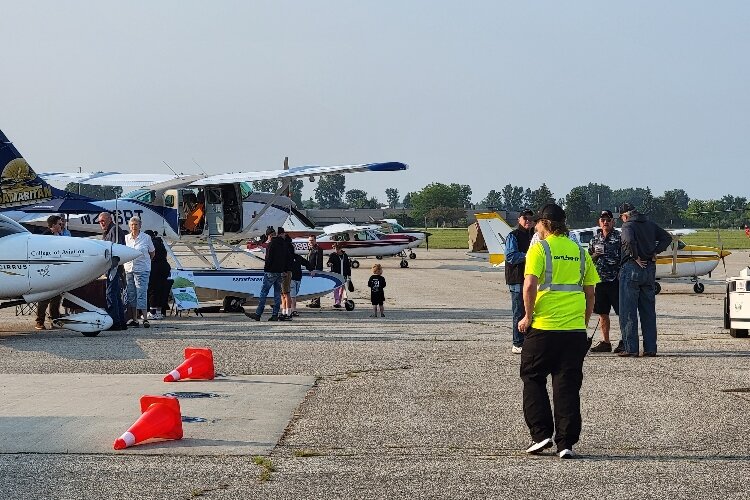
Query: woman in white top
x=137 y=272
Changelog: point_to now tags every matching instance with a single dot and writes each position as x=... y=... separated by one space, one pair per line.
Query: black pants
x=560 y=354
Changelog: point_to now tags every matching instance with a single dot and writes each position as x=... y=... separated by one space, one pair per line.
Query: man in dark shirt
x=55 y=226
x=604 y=248
x=516 y=245
x=315 y=258
x=641 y=241
x=114 y=234
x=277 y=263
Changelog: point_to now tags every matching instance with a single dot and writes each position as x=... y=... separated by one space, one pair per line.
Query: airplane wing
x=297 y=172
x=107 y=178
x=341 y=228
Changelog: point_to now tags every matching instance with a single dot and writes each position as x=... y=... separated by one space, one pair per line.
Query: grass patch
x=731 y=239
x=266 y=467
x=306 y=453
x=454 y=237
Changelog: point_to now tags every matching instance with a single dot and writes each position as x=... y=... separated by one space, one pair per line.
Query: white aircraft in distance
x=37 y=267
x=358 y=241
x=207 y=215
x=678 y=262
x=391 y=226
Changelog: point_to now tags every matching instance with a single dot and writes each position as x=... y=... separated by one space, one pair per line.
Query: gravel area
x=423 y=403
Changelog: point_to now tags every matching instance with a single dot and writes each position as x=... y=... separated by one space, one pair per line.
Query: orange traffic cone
x=198 y=365
x=160 y=418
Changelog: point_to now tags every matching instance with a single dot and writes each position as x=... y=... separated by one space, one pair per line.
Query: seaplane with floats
x=680 y=262
x=357 y=241
x=203 y=216
x=37 y=267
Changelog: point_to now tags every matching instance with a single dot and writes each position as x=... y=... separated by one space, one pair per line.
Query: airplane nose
x=125 y=254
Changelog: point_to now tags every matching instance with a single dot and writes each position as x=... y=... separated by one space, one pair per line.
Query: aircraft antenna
x=170 y=168
x=199 y=166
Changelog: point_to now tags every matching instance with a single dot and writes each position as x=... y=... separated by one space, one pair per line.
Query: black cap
x=626 y=207
x=605 y=213
x=552 y=212
x=270 y=230
x=280 y=230
x=527 y=212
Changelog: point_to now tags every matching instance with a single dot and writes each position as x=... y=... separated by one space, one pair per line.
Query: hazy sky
x=485 y=93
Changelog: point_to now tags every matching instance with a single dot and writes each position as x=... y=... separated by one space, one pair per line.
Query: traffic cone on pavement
x=160 y=418
x=198 y=365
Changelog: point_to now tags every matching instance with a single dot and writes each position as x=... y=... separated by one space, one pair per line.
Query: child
x=376 y=284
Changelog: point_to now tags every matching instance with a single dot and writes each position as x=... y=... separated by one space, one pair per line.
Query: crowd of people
x=145 y=280
x=555 y=287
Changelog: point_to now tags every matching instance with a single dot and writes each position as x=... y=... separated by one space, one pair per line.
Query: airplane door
x=14 y=275
x=214 y=212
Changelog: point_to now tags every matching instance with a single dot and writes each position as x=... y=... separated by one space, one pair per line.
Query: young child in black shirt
x=377 y=296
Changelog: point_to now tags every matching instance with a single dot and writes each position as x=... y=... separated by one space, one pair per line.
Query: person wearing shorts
x=605 y=251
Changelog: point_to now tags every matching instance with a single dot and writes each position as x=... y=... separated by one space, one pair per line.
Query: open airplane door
x=214 y=211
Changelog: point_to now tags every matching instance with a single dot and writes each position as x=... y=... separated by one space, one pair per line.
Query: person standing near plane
x=558 y=292
x=315 y=258
x=604 y=249
x=339 y=263
x=55 y=226
x=641 y=240
x=516 y=246
x=114 y=234
x=137 y=272
x=277 y=255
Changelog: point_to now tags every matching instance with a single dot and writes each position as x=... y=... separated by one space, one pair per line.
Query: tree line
x=439 y=204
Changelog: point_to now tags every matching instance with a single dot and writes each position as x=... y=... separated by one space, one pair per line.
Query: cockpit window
x=144 y=195
x=245 y=189
x=8 y=227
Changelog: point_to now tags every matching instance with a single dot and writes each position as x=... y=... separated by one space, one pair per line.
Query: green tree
x=438 y=195
x=512 y=197
x=330 y=191
x=494 y=199
x=392 y=195
x=577 y=208
x=295 y=191
x=356 y=198
x=447 y=216
x=266 y=185
x=599 y=197
x=96 y=192
x=680 y=197
x=407 y=200
x=309 y=204
x=540 y=197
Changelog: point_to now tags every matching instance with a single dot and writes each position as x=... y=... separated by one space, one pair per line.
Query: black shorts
x=607 y=295
x=378 y=298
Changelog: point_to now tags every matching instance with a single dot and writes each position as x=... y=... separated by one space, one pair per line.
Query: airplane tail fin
x=494 y=231
x=19 y=184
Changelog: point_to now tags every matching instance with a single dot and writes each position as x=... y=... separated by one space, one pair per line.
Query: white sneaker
x=567 y=453
x=516 y=350
x=539 y=447
x=151 y=315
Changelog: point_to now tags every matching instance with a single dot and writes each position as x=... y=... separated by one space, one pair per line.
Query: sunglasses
x=606 y=219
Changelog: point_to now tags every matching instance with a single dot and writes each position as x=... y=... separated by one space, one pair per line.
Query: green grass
x=731 y=239
x=448 y=238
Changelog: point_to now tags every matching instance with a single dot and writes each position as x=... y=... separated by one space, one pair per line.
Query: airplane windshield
x=8 y=227
x=245 y=189
x=144 y=195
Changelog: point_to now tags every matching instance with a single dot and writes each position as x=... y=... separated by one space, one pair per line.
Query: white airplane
x=207 y=215
x=678 y=262
x=37 y=267
x=391 y=226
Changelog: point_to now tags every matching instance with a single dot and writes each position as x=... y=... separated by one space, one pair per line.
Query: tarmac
x=424 y=403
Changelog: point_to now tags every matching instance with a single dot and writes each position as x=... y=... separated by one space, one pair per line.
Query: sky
x=485 y=93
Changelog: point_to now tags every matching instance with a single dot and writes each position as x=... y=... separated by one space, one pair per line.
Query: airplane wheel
x=355 y=264
x=412 y=255
x=698 y=288
x=738 y=333
x=90 y=334
x=404 y=263
x=379 y=257
x=657 y=288
x=233 y=304
x=349 y=305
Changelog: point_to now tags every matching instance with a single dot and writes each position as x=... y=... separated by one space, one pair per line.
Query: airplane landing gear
x=698 y=288
x=355 y=263
x=412 y=255
x=349 y=305
x=657 y=288
x=404 y=263
x=379 y=257
x=233 y=304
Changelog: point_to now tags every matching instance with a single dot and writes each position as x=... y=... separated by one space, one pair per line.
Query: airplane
x=208 y=215
x=358 y=241
x=37 y=267
x=391 y=226
x=678 y=262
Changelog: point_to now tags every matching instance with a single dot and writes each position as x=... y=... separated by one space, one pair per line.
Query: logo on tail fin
x=19 y=184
